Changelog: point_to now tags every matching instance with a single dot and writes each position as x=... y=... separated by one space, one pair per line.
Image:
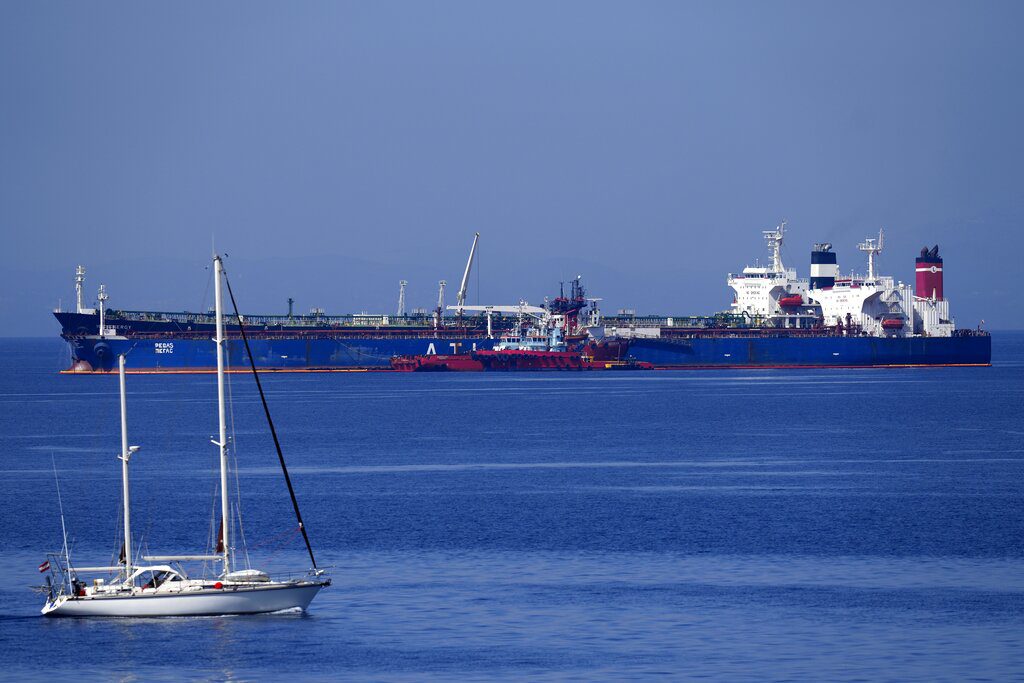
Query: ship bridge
x=771 y=292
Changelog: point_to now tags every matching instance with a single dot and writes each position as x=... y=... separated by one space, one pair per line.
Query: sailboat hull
x=254 y=600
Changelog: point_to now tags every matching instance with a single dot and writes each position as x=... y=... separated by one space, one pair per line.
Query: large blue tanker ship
x=158 y=343
x=776 y=320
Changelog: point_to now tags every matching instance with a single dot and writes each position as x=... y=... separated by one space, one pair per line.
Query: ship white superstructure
x=872 y=304
x=773 y=293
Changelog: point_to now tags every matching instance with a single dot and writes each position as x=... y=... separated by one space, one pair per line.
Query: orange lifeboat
x=791 y=301
x=892 y=324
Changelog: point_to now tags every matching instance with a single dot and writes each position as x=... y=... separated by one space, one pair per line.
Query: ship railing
x=298 y=575
x=348 y=319
x=968 y=332
x=751 y=333
x=321 y=333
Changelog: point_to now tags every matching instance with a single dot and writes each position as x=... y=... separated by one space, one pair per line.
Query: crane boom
x=461 y=296
x=524 y=308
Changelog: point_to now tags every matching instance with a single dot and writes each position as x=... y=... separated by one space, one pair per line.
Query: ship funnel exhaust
x=929 y=274
x=824 y=269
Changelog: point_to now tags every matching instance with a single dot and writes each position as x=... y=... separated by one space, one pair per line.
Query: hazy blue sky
x=334 y=148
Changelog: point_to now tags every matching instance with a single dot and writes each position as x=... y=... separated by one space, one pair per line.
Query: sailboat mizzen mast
x=63 y=528
x=222 y=442
x=266 y=411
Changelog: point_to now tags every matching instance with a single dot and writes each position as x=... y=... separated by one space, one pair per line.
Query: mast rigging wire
x=232 y=440
x=270 y=422
x=63 y=529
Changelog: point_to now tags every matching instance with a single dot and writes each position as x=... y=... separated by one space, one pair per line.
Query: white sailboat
x=162 y=588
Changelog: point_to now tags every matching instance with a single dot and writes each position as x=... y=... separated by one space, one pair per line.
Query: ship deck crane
x=460 y=298
x=520 y=310
x=440 y=303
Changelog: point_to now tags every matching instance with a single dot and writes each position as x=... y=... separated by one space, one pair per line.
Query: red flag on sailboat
x=220 y=538
x=44 y=567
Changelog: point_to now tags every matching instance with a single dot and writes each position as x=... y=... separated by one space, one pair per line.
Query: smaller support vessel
x=461 y=362
x=538 y=346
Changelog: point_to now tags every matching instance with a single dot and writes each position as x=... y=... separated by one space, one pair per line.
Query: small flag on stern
x=44 y=567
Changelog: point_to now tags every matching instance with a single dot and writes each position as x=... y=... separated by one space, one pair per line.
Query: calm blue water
x=735 y=525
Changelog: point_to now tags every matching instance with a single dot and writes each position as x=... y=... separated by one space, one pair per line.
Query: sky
x=332 y=149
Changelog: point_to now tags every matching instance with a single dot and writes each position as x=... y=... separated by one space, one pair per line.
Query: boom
x=461 y=296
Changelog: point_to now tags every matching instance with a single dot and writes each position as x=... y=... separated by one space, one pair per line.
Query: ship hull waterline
x=92 y=354
x=813 y=352
x=207 y=602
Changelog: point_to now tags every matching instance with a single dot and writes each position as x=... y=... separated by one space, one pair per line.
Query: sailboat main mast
x=222 y=442
x=125 y=454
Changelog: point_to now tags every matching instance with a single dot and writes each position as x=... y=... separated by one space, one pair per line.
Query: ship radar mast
x=872 y=249
x=79 y=281
x=774 y=240
x=401 y=297
x=102 y=298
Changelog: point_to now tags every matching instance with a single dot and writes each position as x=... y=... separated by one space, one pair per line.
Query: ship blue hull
x=823 y=351
x=168 y=354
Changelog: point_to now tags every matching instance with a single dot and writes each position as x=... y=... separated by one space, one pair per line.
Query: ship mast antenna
x=79 y=281
x=102 y=298
x=774 y=239
x=872 y=249
x=401 y=297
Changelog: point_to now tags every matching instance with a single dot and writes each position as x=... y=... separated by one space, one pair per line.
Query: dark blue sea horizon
x=725 y=524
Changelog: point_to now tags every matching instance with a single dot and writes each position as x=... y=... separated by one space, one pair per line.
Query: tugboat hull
x=509 y=360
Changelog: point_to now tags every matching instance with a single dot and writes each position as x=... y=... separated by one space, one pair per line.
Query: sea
x=734 y=525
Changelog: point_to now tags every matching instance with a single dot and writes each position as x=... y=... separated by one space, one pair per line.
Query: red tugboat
x=540 y=346
x=462 y=362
